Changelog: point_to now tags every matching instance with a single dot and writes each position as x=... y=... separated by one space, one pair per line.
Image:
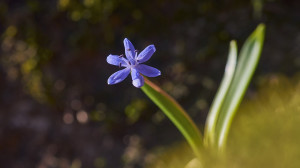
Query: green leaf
x=211 y=121
x=246 y=65
x=176 y=114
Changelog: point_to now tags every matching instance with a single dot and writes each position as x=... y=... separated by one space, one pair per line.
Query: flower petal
x=148 y=70
x=146 y=54
x=137 y=78
x=116 y=60
x=118 y=76
x=129 y=50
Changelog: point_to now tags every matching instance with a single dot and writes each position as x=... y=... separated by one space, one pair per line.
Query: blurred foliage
x=134 y=110
x=176 y=156
x=56 y=109
x=265 y=132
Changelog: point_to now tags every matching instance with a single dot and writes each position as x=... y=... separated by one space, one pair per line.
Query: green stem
x=176 y=114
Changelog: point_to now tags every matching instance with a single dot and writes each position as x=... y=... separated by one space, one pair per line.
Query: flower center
x=136 y=62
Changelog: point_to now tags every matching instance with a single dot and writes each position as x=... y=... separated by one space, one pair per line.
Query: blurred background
x=56 y=109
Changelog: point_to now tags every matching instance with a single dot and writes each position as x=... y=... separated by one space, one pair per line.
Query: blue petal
x=137 y=78
x=129 y=50
x=116 y=60
x=118 y=76
x=146 y=54
x=148 y=70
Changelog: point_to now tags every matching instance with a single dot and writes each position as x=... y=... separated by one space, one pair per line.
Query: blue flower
x=132 y=63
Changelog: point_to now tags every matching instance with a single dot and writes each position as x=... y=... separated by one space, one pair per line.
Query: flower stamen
x=136 y=53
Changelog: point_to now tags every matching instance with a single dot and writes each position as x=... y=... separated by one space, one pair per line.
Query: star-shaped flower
x=132 y=63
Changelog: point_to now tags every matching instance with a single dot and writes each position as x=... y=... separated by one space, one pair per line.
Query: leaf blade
x=246 y=66
x=209 y=134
